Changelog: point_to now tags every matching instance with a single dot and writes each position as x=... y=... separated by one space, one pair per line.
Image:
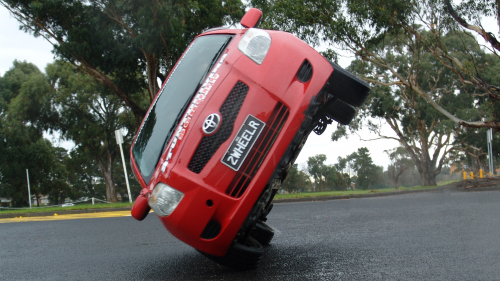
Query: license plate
x=243 y=142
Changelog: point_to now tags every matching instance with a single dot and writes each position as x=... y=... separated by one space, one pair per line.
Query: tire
x=346 y=86
x=262 y=233
x=241 y=257
x=341 y=112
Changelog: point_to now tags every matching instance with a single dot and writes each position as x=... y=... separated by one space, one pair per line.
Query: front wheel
x=241 y=256
x=262 y=233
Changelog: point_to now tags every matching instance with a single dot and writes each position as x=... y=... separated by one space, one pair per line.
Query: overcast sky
x=15 y=44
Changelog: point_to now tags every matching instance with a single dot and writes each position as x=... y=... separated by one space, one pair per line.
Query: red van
x=225 y=128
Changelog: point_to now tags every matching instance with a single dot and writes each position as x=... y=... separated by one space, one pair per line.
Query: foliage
x=429 y=76
x=84 y=175
x=88 y=114
x=474 y=143
x=296 y=180
x=22 y=145
x=412 y=28
x=368 y=174
x=325 y=177
x=400 y=163
x=127 y=45
x=81 y=110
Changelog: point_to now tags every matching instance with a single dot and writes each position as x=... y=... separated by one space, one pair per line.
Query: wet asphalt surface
x=424 y=236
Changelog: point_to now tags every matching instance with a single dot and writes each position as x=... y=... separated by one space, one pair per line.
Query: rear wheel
x=346 y=86
x=340 y=111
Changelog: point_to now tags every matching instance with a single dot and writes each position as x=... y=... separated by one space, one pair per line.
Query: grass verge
x=278 y=196
x=354 y=192
x=76 y=207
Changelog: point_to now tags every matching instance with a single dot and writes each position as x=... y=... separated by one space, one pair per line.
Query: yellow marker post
x=465 y=175
x=471 y=175
x=481 y=173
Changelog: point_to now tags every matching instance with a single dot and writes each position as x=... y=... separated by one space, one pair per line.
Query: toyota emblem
x=211 y=123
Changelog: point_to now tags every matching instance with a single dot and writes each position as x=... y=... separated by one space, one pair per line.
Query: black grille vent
x=259 y=151
x=211 y=230
x=305 y=72
x=209 y=145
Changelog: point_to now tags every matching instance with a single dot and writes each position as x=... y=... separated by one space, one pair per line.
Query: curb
x=62 y=212
x=390 y=193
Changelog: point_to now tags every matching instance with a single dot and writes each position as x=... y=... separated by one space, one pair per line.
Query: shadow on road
x=298 y=262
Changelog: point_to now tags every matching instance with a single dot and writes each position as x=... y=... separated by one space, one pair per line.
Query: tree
x=55 y=183
x=89 y=114
x=367 y=173
x=419 y=26
x=400 y=163
x=81 y=109
x=473 y=142
x=426 y=134
x=325 y=176
x=84 y=174
x=421 y=67
x=315 y=168
x=21 y=143
x=127 y=45
x=296 y=180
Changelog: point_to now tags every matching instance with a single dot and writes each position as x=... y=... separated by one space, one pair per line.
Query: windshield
x=170 y=105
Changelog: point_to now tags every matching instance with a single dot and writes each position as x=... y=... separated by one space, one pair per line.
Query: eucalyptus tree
x=429 y=137
x=128 y=45
x=361 y=27
x=368 y=174
x=429 y=78
x=400 y=163
x=84 y=174
x=475 y=149
x=88 y=114
x=325 y=177
x=296 y=180
x=22 y=145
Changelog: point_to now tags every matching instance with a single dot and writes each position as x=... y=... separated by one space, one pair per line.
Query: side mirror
x=141 y=207
x=251 y=18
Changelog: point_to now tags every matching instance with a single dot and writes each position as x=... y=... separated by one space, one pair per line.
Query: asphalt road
x=424 y=236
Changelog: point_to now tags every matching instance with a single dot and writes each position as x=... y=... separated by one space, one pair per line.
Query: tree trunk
x=428 y=179
x=427 y=170
x=395 y=181
x=152 y=76
x=395 y=178
x=107 y=173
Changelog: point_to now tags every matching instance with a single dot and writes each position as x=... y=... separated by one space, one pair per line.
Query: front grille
x=259 y=151
x=209 y=144
x=211 y=230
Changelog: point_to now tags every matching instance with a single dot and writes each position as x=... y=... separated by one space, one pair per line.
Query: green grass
x=357 y=191
x=58 y=209
x=441 y=183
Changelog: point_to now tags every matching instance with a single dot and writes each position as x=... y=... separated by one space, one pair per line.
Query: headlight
x=255 y=44
x=165 y=199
